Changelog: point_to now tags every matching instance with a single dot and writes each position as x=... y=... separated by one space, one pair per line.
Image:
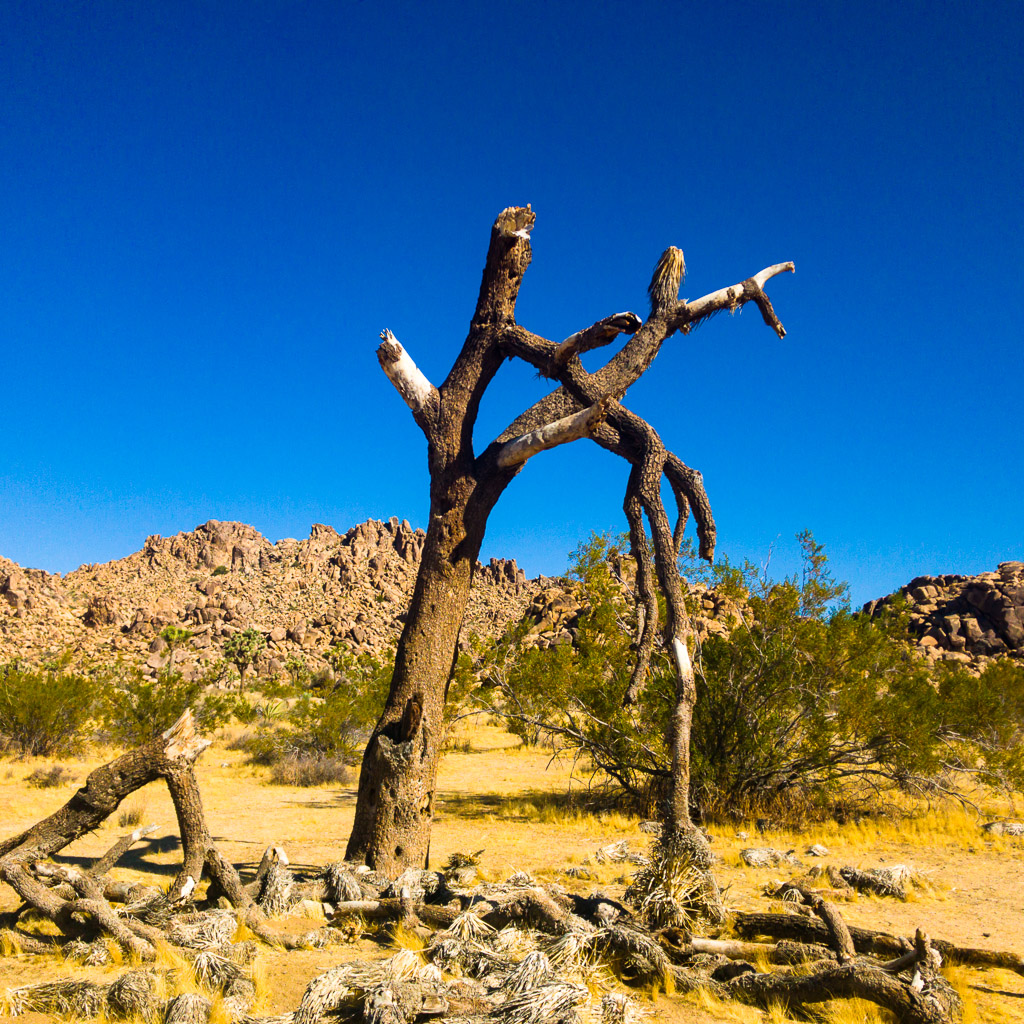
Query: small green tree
x=242 y=649
x=174 y=637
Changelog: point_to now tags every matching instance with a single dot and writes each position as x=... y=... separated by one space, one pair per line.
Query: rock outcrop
x=305 y=596
x=970 y=619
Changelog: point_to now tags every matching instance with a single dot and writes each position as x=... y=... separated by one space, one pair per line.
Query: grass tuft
x=49 y=777
x=132 y=815
x=404 y=938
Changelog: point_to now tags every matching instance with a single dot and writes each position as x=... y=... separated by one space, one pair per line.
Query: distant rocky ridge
x=304 y=595
x=308 y=595
x=969 y=619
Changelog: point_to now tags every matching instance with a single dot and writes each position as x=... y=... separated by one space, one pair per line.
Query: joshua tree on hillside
x=396 y=784
x=242 y=649
x=174 y=637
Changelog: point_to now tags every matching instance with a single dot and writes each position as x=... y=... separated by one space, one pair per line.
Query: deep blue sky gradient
x=209 y=211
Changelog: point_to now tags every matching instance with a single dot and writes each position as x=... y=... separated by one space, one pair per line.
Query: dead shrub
x=308 y=770
x=49 y=777
x=131 y=816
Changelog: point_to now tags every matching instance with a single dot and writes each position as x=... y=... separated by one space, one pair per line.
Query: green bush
x=134 y=709
x=323 y=730
x=44 y=712
x=801 y=705
x=335 y=722
x=221 y=570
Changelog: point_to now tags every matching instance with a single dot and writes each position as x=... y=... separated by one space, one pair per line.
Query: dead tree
x=78 y=901
x=397 y=780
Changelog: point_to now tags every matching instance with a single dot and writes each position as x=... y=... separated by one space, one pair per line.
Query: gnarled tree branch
x=601 y=333
x=689 y=314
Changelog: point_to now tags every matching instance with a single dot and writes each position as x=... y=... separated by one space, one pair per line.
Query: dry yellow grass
x=494 y=795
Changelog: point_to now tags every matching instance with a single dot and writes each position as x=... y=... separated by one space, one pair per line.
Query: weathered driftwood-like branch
x=931 y=1001
x=85 y=894
x=569 y=428
x=420 y=395
x=752 y=290
x=105 y=788
x=838 y=933
x=103 y=864
x=865 y=940
x=647 y=604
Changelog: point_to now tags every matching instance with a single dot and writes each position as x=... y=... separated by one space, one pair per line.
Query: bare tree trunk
x=395 y=803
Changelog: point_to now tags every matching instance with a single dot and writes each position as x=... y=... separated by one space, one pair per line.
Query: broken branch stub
x=409 y=380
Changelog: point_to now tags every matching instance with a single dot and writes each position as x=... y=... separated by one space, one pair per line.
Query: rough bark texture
x=396 y=786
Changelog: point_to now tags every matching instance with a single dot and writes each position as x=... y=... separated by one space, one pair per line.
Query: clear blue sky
x=209 y=211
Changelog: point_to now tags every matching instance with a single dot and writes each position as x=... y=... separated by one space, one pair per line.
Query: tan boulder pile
x=970 y=619
x=305 y=596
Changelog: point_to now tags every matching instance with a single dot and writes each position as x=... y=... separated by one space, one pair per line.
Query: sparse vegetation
x=133 y=708
x=312 y=739
x=132 y=815
x=49 y=777
x=298 y=769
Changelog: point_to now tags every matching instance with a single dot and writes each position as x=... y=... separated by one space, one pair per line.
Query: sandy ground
x=503 y=800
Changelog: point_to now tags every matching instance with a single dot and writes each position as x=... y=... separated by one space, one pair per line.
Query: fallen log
x=803 y=929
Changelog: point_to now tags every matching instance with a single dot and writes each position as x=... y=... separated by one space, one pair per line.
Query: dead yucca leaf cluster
x=670 y=891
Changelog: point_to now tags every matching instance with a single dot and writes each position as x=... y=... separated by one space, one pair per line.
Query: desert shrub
x=134 y=709
x=298 y=769
x=334 y=722
x=49 y=777
x=221 y=570
x=799 y=705
x=264 y=746
x=983 y=720
x=460 y=702
x=44 y=712
x=326 y=727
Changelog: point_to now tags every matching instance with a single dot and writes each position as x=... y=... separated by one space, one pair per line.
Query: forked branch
x=601 y=333
x=752 y=290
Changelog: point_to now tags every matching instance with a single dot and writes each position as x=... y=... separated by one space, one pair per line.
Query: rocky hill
x=304 y=595
x=307 y=595
x=965 y=618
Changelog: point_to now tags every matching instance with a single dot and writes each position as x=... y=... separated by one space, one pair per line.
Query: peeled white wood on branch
x=569 y=428
x=419 y=394
x=751 y=290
